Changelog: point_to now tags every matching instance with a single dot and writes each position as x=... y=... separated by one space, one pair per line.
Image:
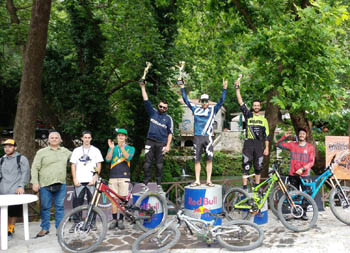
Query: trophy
x=143 y=78
x=181 y=67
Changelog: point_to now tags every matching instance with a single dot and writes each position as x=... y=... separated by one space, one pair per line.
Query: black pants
x=253 y=151
x=153 y=153
x=79 y=196
x=295 y=181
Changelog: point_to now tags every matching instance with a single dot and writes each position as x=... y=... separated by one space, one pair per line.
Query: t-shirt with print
x=120 y=166
x=85 y=160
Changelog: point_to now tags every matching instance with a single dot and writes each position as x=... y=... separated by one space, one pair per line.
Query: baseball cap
x=9 y=142
x=121 y=131
x=205 y=97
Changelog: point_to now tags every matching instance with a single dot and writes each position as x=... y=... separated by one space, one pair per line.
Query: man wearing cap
x=85 y=161
x=159 y=136
x=302 y=158
x=119 y=156
x=49 y=173
x=203 y=130
x=14 y=175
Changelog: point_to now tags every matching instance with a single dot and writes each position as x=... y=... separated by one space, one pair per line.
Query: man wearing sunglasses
x=203 y=130
x=160 y=134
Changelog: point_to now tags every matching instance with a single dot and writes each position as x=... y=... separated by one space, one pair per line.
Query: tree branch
x=118 y=87
x=12 y=11
x=245 y=14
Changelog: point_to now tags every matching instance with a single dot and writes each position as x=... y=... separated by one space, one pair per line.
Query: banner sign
x=339 y=146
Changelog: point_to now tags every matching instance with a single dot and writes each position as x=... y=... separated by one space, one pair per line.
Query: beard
x=161 y=111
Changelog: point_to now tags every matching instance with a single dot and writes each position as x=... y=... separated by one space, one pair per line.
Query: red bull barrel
x=147 y=203
x=202 y=201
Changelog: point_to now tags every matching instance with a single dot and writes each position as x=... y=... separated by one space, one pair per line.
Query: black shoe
x=42 y=233
x=72 y=228
x=112 y=224
x=93 y=227
x=121 y=225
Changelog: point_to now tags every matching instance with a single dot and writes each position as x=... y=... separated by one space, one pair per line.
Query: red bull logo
x=203 y=201
x=201 y=210
x=148 y=206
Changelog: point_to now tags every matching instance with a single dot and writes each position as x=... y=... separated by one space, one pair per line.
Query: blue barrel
x=203 y=200
x=153 y=203
x=262 y=217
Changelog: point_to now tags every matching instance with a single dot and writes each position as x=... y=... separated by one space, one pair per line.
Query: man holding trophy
x=203 y=128
x=159 y=135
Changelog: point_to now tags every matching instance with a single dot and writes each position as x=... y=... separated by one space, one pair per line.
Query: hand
x=121 y=144
x=166 y=149
x=93 y=181
x=224 y=83
x=142 y=84
x=76 y=182
x=266 y=151
x=238 y=82
x=111 y=144
x=299 y=172
x=19 y=190
x=288 y=133
x=36 y=187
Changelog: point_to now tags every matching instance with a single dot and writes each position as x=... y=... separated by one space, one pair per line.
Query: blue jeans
x=45 y=206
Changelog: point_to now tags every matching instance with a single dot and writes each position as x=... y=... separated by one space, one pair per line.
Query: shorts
x=253 y=153
x=15 y=211
x=119 y=185
x=200 y=143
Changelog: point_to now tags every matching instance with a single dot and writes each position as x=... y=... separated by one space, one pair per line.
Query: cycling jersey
x=301 y=156
x=203 y=118
x=257 y=126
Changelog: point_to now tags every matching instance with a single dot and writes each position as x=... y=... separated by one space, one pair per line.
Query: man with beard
x=160 y=134
x=257 y=132
x=14 y=175
x=203 y=130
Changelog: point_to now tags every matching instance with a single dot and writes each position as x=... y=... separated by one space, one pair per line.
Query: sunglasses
x=162 y=107
x=204 y=101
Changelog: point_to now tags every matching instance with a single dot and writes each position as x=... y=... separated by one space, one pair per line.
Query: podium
x=201 y=201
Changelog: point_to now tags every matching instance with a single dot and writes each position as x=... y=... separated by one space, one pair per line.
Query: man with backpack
x=14 y=175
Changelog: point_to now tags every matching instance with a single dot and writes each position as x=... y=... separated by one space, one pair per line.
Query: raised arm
x=238 y=92
x=184 y=97
x=222 y=98
x=143 y=91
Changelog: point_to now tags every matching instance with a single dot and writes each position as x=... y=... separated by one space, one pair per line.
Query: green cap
x=121 y=131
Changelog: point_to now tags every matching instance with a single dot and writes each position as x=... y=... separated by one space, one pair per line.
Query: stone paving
x=330 y=235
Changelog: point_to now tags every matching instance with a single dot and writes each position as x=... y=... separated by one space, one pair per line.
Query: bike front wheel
x=232 y=197
x=339 y=203
x=154 y=205
x=78 y=233
x=240 y=235
x=157 y=240
x=299 y=215
x=275 y=196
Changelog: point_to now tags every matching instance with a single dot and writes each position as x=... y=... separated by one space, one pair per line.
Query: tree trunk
x=299 y=120
x=271 y=114
x=30 y=88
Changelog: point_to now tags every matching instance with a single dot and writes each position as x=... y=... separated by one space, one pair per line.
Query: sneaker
x=93 y=227
x=121 y=225
x=144 y=188
x=159 y=188
x=304 y=217
x=72 y=228
x=9 y=235
x=112 y=224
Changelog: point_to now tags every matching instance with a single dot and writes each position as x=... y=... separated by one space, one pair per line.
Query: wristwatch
x=236 y=86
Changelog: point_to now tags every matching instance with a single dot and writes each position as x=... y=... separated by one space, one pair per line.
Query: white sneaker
x=159 y=188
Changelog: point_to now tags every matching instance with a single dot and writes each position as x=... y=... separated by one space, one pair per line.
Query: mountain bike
x=239 y=204
x=240 y=235
x=83 y=228
x=339 y=197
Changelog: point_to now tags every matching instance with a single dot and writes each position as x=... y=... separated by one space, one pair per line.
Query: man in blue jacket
x=203 y=130
x=160 y=134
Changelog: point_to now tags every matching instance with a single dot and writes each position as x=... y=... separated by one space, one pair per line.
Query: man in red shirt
x=302 y=157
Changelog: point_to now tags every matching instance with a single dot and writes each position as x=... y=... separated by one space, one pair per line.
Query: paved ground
x=329 y=235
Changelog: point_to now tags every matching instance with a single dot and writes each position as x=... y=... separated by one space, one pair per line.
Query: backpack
x=18 y=158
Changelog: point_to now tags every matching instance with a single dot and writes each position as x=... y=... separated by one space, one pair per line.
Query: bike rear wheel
x=151 y=201
x=77 y=233
x=231 y=198
x=275 y=196
x=302 y=216
x=157 y=240
x=338 y=204
x=240 y=235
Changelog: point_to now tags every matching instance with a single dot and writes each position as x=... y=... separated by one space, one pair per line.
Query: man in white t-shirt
x=85 y=160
